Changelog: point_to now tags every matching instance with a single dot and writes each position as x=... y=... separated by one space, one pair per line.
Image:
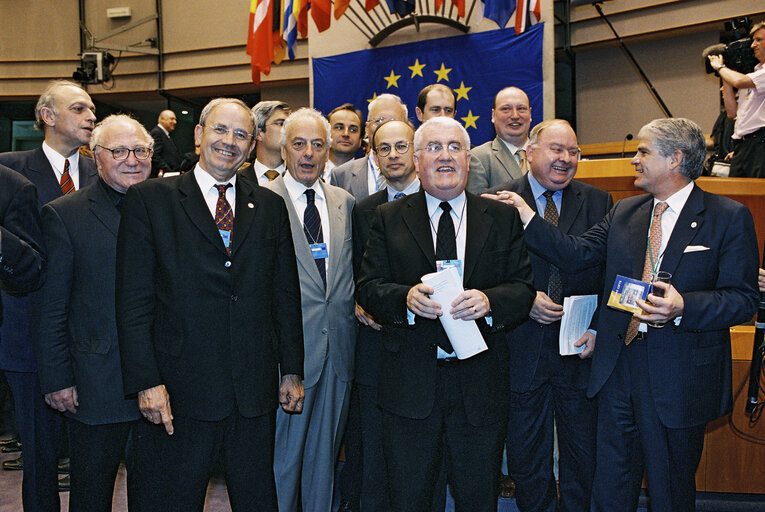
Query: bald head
x=167 y=120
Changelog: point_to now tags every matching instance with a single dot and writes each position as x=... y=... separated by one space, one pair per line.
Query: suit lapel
x=41 y=173
x=246 y=209
x=638 y=239
x=337 y=220
x=506 y=159
x=102 y=208
x=688 y=224
x=359 y=181
x=195 y=207
x=570 y=205
x=478 y=227
x=87 y=170
x=527 y=194
x=416 y=219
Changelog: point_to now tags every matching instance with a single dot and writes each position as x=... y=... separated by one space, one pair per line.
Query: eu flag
x=475 y=66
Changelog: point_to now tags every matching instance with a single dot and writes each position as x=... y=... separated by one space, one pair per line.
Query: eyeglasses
x=381 y=120
x=222 y=131
x=119 y=154
x=384 y=149
x=436 y=147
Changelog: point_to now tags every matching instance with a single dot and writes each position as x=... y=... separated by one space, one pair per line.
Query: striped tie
x=67 y=185
x=313 y=231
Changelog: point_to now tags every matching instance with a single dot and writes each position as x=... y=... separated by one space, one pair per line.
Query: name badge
x=444 y=264
x=226 y=236
x=319 y=251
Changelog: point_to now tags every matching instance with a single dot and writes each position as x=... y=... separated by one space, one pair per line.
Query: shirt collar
x=413 y=187
x=57 y=160
x=164 y=130
x=206 y=182
x=676 y=201
x=457 y=204
x=295 y=189
x=512 y=147
x=538 y=190
x=260 y=168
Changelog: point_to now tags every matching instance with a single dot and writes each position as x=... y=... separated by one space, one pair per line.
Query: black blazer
x=400 y=251
x=212 y=328
x=582 y=206
x=16 y=352
x=166 y=155
x=74 y=329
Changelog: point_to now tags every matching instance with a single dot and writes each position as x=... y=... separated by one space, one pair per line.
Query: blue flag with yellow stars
x=475 y=66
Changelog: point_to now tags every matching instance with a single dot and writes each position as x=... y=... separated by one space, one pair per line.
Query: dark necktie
x=313 y=231
x=652 y=252
x=446 y=249
x=271 y=174
x=399 y=195
x=224 y=217
x=66 y=183
x=554 y=286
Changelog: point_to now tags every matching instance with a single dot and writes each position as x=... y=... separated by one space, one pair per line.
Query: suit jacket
x=491 y=163
x=399 y=251
x=21 y=265
x=690 y=362
x=213 y=328
x=329 y=324
x=166 y=155
x=582 y=206
x=352 y=177
x=74 y=329
x=16 y=352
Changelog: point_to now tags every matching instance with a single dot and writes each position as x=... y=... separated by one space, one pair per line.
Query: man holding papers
x=658 y=387
x=544 y=383
x=435 y=406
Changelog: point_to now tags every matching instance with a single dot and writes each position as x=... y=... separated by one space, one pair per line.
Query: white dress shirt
x=57 y=162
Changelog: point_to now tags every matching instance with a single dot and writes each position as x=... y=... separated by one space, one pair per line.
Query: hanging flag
x=461 y=63
x=340 y=7
x=527 y=13
x=289 y=27
x=370 y=4
x=499 y=11
x=280 y=47
x=260 y=42
x=459 y=3
x=321 y=12
x=400 y=7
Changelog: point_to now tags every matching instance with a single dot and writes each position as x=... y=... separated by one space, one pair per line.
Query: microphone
x=758 y=353
x=627 y=137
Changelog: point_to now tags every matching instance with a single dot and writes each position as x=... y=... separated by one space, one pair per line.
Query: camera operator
x=747 y=107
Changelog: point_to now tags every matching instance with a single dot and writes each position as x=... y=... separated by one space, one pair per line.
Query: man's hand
x=514 y=199
x=366 y=319
x=544 y=310
x=715 y=61
x=418 y=301
x=470 y=305
x=761 y=280
x=661 y=309
x=63 y=400
x=588 y=340
x=291 y=394
x=154 y=404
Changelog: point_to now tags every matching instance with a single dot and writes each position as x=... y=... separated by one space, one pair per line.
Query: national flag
x=459 y=3
x=260 y=42
x=499 y=11
x=461 y=63
x=370 y=4
x=527 y=13
x=321 y=12
x=340 y=7
x=401 y=7
x=289 y=27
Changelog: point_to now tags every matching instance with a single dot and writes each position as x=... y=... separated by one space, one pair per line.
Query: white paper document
x=464 y=335
x=577 y=314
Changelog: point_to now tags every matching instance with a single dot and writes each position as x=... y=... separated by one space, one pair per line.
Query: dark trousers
x=749 y=157
x=350 y=478
x=415 y=449
x=95 y=455
x=245 y=446
x=39 y=429
x=530 y=440
x=631 y=438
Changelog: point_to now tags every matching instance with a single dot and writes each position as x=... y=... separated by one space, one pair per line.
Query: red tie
x=67 y=185
x=224 y=217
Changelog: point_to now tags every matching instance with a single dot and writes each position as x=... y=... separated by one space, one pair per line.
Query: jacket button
x=324 y=331
x=234 y=298
x=227 y=264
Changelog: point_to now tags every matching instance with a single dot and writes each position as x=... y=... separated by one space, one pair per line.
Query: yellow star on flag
x=443 y=73
x=462 y=91
x=470 y=120
x=374 y=97
x=392 y=79
x=417 y=68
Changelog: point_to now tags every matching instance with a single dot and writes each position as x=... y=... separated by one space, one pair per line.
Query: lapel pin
x=693 y=224
x=250 y=205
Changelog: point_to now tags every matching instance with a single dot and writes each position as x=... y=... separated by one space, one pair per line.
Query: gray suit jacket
x=329 y=324
x=352 y=177
x=491 y=164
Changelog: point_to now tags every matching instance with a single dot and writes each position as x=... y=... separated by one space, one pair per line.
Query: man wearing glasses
x=544 y=384
x=435 y=406
x=503 y=158
x=268 y=163
x=208 y=316
x=361 y=177
x=74 y=328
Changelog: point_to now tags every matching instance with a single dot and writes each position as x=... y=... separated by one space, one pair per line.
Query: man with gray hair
x=361 y=177
x=208 y=316
x=74 y=328
x=307 y=444
x=661 y=375
x=66 y=115
x=435 y=406
x=268 y=163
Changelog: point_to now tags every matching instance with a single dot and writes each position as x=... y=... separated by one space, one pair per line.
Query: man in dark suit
x=267 y=162
x=208 y=313
x=548 y=388
x=361 y=177
x=166 y=157
x=74 y=329
x=658 y=387
x=66 y=115
x=503 y=158
x=436 y=406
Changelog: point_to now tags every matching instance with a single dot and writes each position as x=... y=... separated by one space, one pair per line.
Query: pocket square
x=696 y=248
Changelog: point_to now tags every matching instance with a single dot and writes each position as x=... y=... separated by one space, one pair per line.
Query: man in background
x=268 y=163
x=166 y=157
x=347 y=124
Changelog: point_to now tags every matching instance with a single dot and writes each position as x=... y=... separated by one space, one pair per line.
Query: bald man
x=166 y=156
